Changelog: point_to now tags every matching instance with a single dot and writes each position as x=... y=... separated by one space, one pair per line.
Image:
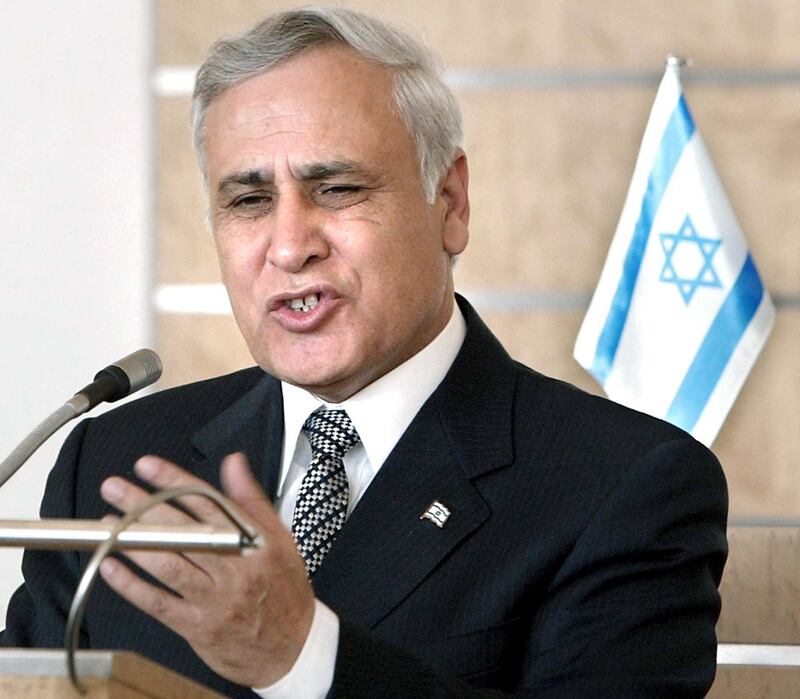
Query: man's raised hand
x=247 y=617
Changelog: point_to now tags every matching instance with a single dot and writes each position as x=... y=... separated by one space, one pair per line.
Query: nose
x=297 y=237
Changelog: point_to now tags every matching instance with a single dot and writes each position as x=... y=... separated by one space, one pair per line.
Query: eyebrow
x=312 y=171
x=248 y=178
x=334 y=168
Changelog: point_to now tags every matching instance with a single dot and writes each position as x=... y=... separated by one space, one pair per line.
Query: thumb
x=240 y=486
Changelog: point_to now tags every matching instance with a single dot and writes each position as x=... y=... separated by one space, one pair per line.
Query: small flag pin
x=436 y=513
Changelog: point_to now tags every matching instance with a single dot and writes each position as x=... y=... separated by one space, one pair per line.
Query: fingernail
x=108 y=567
x=146 y=467
x=112 y=489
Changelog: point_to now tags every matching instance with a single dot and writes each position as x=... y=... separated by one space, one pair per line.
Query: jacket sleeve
x=631 y=611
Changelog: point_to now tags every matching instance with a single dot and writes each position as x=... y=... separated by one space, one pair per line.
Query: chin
x=314 y=379
x=308 y=363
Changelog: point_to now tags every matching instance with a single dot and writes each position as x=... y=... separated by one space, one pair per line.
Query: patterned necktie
x=322 y=499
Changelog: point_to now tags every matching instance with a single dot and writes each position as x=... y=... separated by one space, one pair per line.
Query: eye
x=340 y=195
x=251 y=200
x=339 y=188
x=252 y=203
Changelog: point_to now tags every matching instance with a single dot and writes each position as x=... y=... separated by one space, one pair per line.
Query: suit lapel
x=385 y=550
x=463 y=431
x=253 y=425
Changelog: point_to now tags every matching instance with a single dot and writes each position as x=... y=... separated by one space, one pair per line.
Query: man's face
x=336 y=265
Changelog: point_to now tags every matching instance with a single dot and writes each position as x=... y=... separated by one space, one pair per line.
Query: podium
x=42 y=674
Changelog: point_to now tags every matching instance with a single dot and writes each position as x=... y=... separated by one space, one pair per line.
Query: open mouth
x=304 y=304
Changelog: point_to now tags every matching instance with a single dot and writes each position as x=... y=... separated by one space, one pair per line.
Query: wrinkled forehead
x=326 y=103
x=321 y=78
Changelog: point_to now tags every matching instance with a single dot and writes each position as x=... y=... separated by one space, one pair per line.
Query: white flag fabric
x=680 y=314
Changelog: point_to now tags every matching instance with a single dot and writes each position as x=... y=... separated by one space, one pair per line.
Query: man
x=444 y=520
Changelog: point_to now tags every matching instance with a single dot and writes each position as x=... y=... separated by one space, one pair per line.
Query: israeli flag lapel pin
x=436 y=513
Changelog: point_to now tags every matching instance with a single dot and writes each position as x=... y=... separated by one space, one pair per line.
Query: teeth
x=303 y=304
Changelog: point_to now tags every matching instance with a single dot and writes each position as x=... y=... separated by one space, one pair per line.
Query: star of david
x=688 y=260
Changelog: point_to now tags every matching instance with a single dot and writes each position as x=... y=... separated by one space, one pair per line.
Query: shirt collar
x=383 y=410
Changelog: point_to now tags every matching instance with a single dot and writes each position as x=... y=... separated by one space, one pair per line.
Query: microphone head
x=125 y=376
x=142 y=368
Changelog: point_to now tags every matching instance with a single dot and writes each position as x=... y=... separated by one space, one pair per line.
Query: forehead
x=326 y=102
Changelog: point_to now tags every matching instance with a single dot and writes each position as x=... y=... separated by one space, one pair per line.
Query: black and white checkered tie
x=321 y=504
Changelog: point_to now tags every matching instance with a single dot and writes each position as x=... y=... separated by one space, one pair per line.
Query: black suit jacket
x=581 y=558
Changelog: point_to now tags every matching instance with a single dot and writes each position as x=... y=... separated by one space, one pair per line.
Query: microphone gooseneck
x=126 y=376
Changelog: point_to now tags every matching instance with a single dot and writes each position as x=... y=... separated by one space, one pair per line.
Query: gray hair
x=425 y=104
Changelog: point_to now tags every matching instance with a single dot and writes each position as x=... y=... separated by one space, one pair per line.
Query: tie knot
x=331 y=433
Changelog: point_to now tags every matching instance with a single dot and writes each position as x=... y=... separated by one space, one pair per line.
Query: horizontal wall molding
x=173 y=81
x=767 y=522
x=178 y=81
x=192 y=299
x=757 y=654
x=516 y=77
x=212 y=299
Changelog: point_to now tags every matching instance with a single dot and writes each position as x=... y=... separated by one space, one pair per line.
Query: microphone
x=122 y=378
x=126 y=376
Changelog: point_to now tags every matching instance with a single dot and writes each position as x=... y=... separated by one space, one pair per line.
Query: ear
x=455 y=195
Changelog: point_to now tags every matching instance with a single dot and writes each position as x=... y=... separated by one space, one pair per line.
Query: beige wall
x=555 y=96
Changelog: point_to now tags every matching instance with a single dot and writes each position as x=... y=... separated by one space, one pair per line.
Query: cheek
x=239 y=258
x=415 y=261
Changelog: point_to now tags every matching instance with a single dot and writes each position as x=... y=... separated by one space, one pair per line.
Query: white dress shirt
x=381 y=413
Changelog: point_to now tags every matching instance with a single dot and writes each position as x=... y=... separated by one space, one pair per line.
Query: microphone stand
x=88 y=534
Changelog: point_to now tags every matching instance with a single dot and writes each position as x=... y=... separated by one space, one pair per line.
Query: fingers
x=191 y=573
x=164 y=475
x=240 y=486
x=180 y=573
x=279 y=553
x=247 y=617
x=127 y=497
x=160 y=604
x=188 y=573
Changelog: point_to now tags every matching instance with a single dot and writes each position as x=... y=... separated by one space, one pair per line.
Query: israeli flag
x=680 y=313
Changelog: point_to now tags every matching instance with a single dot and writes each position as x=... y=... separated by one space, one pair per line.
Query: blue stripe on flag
x=677 y=133
x=712 y=357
